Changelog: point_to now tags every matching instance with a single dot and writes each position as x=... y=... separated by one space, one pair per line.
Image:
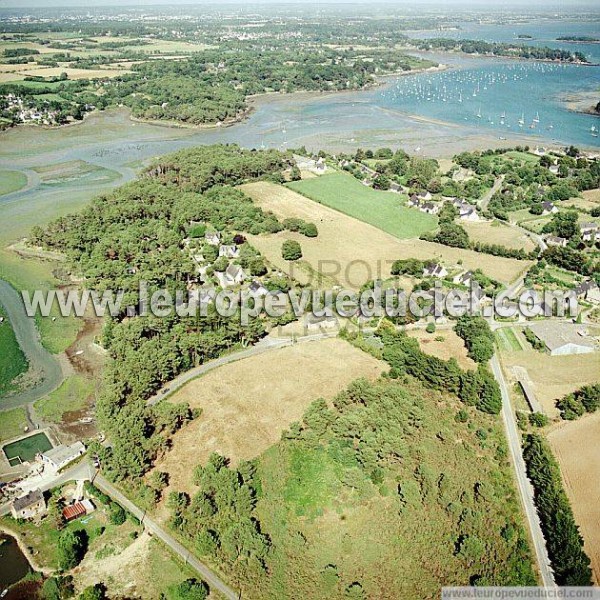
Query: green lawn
x=11 y=181
x=12 y=359
x=72 y=395
x=383 y=210
x=12 y=423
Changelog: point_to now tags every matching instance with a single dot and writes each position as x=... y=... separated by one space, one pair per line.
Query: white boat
x=537 y=117
x=522 y=120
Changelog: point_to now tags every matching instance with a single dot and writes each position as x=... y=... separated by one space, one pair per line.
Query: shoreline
x=35 y=566
x=582 y=102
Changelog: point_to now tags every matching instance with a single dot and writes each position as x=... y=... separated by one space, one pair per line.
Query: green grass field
x=383 y=210
x=12 y=360
x=36 y=85
x=11 y=181
x=72 y=395
x=508 y=340
x=12 y=423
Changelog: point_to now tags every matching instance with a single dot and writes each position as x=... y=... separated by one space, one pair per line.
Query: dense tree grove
x=478 y=337
x=565 y=544
x=212 y=85
x=501 y=49
x=476 y=388
x=136 y=234
x=586 y=399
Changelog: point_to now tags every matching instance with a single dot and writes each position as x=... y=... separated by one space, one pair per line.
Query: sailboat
x=460 y=96
x=522 y=120
x=594 y=131
x=502 y=117
x=479 y=113
x=537 y=117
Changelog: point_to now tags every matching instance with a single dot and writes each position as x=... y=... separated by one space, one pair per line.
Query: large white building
x=61 y=456
x=564 y=338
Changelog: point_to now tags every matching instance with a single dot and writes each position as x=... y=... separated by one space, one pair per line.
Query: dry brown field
x=575 y=445
x=351 y=252
x=452 y=346
x=554 y=376
x=498 y=233
x=75 y=73
x=247 y=404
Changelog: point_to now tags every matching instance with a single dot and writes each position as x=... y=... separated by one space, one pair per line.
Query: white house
x=589 y=231
x=61 y=456
x=466 y=212
x=229 y=251
x=554 y=240
x=256 y=288
x=425 y=195
x=548 y=208
x=233 y=275
x=463 y=278
x=313 y=322
x=213 y=238
x=29 y=506
x=320 y=166
x=588 y=290
x=430 y=208
x=414 y=201
x=435 y=270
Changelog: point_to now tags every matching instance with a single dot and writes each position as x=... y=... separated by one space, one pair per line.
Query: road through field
x=524 y=485
x=215 y=582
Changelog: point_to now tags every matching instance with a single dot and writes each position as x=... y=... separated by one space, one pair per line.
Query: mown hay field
x=349 y=252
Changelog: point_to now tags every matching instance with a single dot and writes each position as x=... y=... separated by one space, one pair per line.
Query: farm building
x=78 y=509
x=564 y=338
x=554 y=240
x=29 y=506
x=61 y=456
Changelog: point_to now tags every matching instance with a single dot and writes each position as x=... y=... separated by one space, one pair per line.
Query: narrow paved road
x=40 y=360
x=485 y=199
x=213 y=580
x=264 y=345
x=524 y=485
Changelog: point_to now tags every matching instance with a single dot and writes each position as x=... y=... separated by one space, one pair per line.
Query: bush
x=93 y=592
x=309 y=230
x=430 y=328
x=71 y=547
x=190 y=589
x=117 y=515
x=586 y=399
x=535 y=342
x=538 y=419
x=291 y=250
